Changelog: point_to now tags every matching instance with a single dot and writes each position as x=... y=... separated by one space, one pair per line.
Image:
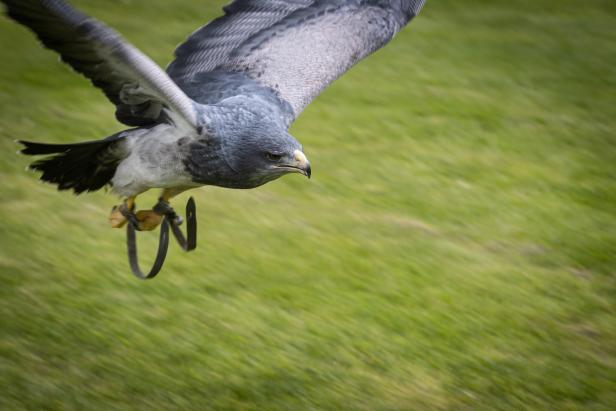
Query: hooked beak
x=302 y=163
x=299 y=164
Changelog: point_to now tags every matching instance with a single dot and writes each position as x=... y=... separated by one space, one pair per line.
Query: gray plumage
x=296 y=48
x=219 y=114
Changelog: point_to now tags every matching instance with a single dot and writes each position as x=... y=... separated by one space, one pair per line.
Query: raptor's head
x=257 y=152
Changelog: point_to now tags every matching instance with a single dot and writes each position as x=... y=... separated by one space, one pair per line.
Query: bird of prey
x=219 y=114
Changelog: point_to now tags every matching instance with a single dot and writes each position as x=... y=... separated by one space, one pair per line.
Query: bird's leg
x=150 y=219
x=145 y=220
x=164 y=208
x=122 y=213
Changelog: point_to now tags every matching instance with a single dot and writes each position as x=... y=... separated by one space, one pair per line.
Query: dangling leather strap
x=161 y=254
x=187 y=243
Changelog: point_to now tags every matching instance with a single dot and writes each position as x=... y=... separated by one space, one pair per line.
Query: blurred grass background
x=455 y=249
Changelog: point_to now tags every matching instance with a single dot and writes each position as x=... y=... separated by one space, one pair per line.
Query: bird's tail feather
x=86 y=166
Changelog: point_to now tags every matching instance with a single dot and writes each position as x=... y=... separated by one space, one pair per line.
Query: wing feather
x=134 y=83
x=210 y=46
x=296 y=48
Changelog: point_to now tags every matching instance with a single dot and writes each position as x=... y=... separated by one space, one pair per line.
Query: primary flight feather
x=220 y=113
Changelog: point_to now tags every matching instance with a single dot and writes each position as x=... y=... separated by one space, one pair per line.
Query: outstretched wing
x=296 y=47
x=134 y=83
x=210 y=46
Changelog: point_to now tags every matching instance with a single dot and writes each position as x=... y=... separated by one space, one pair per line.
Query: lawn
x=454 y=250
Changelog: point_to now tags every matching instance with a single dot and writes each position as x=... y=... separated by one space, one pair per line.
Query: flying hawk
x=219 y=115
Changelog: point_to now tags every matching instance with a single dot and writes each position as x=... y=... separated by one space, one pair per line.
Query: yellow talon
x=148 y=220
x=116 y=218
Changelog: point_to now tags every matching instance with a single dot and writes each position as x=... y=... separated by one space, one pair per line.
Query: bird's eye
x=273 y=157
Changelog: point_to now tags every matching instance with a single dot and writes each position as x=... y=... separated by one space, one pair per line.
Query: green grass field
x=455 y=249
